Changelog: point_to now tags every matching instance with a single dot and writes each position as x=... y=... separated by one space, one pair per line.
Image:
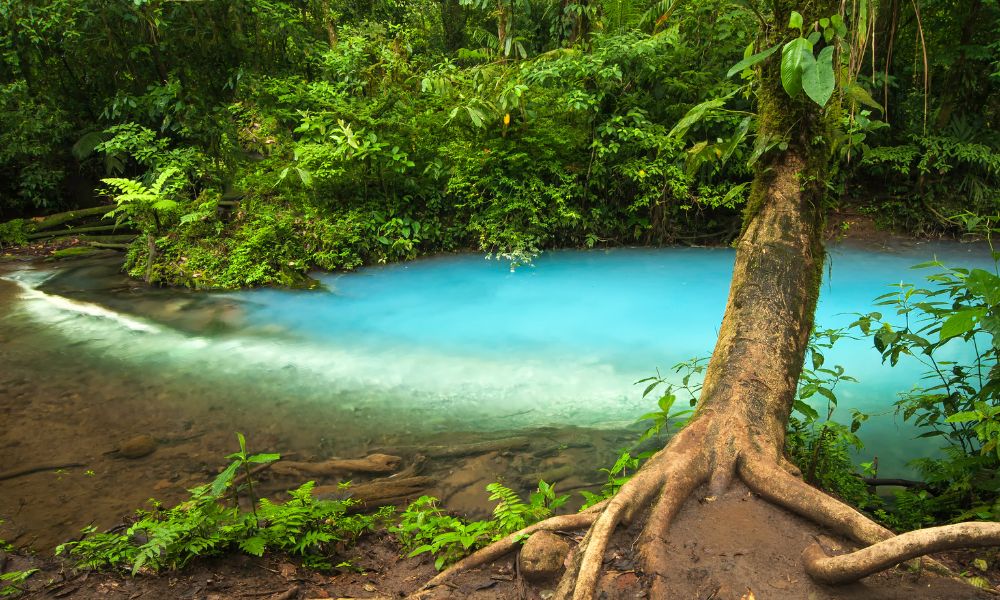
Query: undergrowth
x=424 y=527
x=211 y=522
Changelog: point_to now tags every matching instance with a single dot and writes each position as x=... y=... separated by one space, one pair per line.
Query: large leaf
x=750 y=61
x=224 y=478
x=795 y=20
x=818 y=79
x=961 y=322
x=738 y=136
x=694 y=115
x=860 y=95
x=795 y=58
x=984 y=284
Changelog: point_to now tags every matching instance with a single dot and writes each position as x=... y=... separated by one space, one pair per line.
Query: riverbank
x=74 y=392
x=763 y=562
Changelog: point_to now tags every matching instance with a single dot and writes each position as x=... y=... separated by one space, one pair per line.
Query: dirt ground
x=725 y=550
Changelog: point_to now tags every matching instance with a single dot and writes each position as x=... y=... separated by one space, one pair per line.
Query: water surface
x=395 y=354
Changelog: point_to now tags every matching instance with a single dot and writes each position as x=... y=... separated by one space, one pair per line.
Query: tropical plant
x=424 y=527
x=204 y=525
x=952 y=328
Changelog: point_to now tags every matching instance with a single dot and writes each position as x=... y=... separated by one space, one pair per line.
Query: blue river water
x=458 y=342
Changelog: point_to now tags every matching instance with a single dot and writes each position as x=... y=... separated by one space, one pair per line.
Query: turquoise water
x=458 y=342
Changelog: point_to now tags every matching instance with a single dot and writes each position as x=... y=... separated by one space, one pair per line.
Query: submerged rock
x=137 y=447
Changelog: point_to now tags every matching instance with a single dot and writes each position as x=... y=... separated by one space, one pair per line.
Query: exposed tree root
x=688 y=462
x=510 y=543
x=781 y=488
x=851 y=567
x=373 y=463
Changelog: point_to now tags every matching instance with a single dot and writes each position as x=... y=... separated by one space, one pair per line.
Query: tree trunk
x=453 y=24
x=503 y=11
x=331 y=30
x=738 y=429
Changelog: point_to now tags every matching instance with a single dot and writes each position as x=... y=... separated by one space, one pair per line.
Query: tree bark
x=738 y=429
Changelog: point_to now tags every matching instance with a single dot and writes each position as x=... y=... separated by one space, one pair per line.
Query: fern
x=202 y=526
x=510 y=512
x=620 y=15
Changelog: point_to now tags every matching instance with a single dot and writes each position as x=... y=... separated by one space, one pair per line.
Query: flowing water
x=443 y=350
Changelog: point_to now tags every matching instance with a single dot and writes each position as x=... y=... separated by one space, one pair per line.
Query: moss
x=13 y=233
x=74 y=251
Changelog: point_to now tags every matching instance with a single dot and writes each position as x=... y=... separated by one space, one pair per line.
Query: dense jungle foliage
x=248 y=142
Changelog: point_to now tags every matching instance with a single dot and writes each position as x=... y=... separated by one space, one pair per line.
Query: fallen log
x=907 y=483
x=66 y=217
x=373 y=463
x=113 y=238
x=103 y=246
x=71 y=232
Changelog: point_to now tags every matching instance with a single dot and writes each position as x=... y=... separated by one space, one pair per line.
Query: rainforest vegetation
x=248 y=142
x=235 y=144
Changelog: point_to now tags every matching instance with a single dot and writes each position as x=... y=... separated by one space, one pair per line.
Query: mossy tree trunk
x=738 y=430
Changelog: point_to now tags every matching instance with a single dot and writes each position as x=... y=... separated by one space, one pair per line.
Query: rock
x=543 y=557
x=137 y=447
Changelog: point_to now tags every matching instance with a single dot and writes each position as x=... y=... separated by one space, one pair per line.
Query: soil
x=725 y=550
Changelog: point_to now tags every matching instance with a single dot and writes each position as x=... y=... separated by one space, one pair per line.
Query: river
x=444 y=350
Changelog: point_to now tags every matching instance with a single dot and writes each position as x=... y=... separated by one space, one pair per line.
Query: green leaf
x=795 y=21
x=223 y=479
x=984 y=284
x=963 y=417
x=806 y=410
x=838 y=22
x=818 y=79
x=750 y=61
x=694 y=115
x=961 y=322
x=304 y=176
x=795 y=57
x=860 y=95
x=731 y=145
x=253 y=545
x=264 y=458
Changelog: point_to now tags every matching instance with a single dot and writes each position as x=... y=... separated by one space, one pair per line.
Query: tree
x=738 y=430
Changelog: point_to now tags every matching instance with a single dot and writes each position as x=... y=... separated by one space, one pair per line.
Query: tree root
x=780 y=487
x=460 y=450
x=851 y=567
x=511 y=542
x=373 y=463
x=676 y=472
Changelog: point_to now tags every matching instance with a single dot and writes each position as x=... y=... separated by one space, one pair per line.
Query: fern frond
x=157 y=187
